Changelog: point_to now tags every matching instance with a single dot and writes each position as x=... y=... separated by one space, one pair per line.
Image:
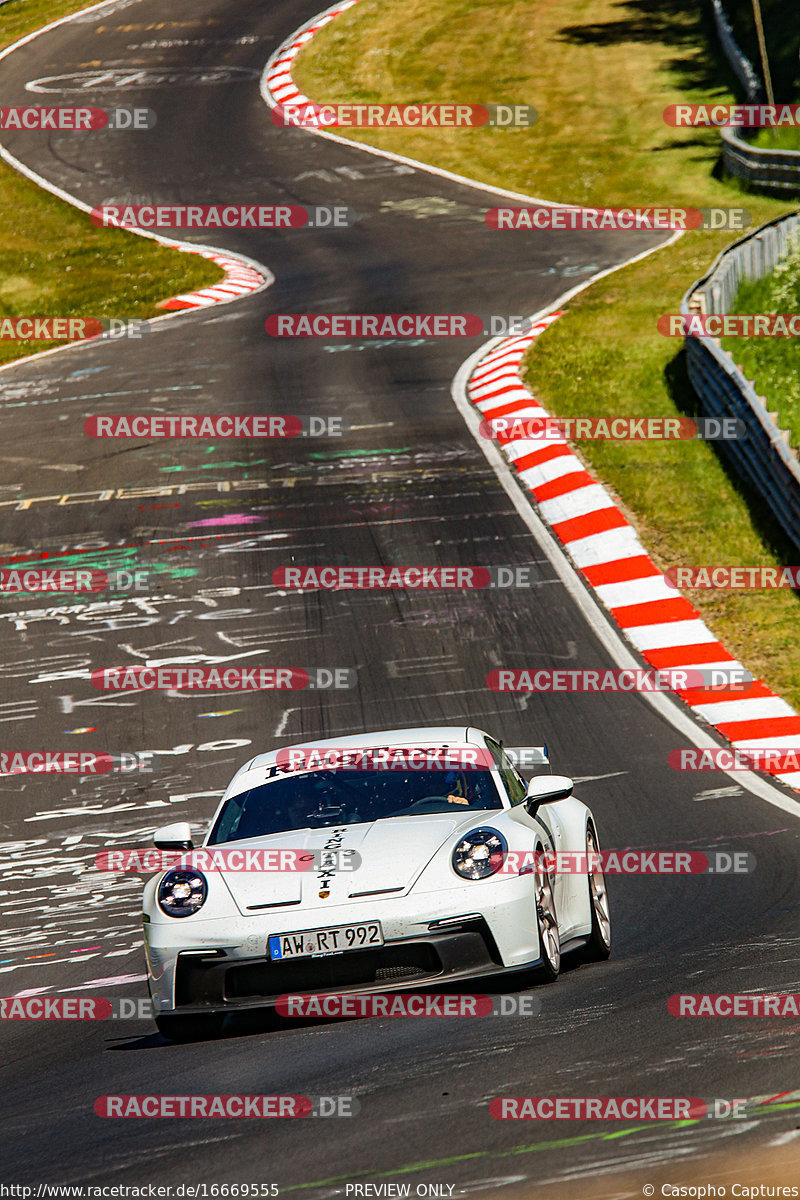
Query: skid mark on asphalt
x=90 y=810
x=173 y=43
x=56 y=884
x=280 y=728
x=723 y=793
x=435 y=664
x=422 y=208
x=687 y=1137
x=108 y=80
x=339 y=474
x=18 y=710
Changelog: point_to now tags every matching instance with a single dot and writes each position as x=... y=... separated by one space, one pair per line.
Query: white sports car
x=446 y=884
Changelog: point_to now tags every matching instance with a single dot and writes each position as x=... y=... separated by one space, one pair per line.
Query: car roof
x=419 y=735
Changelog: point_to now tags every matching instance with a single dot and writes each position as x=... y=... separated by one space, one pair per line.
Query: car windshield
x=320 y=799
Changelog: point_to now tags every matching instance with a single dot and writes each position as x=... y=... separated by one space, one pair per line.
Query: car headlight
x=479 y=854
x=182 y=893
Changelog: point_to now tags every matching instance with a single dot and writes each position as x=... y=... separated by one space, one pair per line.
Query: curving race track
x=408 y=483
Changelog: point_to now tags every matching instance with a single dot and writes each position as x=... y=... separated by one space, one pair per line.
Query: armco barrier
x=742 y=67
x=765 y=459
x=771 y=170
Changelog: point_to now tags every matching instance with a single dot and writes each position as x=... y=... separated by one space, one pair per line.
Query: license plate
x=312 y=943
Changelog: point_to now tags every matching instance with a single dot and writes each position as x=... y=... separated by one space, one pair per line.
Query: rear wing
x=526 y=757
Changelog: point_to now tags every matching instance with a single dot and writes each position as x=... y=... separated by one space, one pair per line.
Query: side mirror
x=545 y=789
x=174 y=837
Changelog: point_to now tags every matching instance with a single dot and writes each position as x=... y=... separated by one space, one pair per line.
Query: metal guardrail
x=765 y=458
x=771 y=170
x=743 y=69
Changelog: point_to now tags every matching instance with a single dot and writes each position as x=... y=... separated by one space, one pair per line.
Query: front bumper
x=197 y=965
x=218 y=984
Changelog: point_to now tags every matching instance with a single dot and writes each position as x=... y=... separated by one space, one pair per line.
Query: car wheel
x=193 y=1028
x=598 y=947
x=547 y=924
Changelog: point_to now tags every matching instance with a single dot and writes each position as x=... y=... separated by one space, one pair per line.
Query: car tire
x=547 y=925
x=598 y=948
x=192 y=1028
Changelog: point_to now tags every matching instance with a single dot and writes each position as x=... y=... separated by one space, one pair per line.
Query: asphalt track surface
x=407 y=484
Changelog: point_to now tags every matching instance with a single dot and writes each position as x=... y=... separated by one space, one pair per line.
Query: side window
x=513 y=782
x=517 y=783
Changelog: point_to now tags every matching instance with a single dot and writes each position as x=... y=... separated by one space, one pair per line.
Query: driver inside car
x=457 y=791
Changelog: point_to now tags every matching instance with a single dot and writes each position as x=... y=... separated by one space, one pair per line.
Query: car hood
x=392 y=854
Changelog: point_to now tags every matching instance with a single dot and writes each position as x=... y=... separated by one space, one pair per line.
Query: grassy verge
x=773 y=364
x=53 y=261
x=778 y=139
x=600 y=73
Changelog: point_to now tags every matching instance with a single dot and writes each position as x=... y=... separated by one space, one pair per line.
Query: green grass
x=773 y=364
x=600 y=73
x=600 y=136
x=54 y=262
x=777 y=139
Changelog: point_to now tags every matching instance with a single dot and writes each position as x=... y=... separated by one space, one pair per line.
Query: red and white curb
x=242 y=275
x=278 y=76
x=662 y=625
x=240 y=278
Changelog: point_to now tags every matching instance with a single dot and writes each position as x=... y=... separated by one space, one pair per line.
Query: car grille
x=398 y=973
x=398 y=963
x=216 y=981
